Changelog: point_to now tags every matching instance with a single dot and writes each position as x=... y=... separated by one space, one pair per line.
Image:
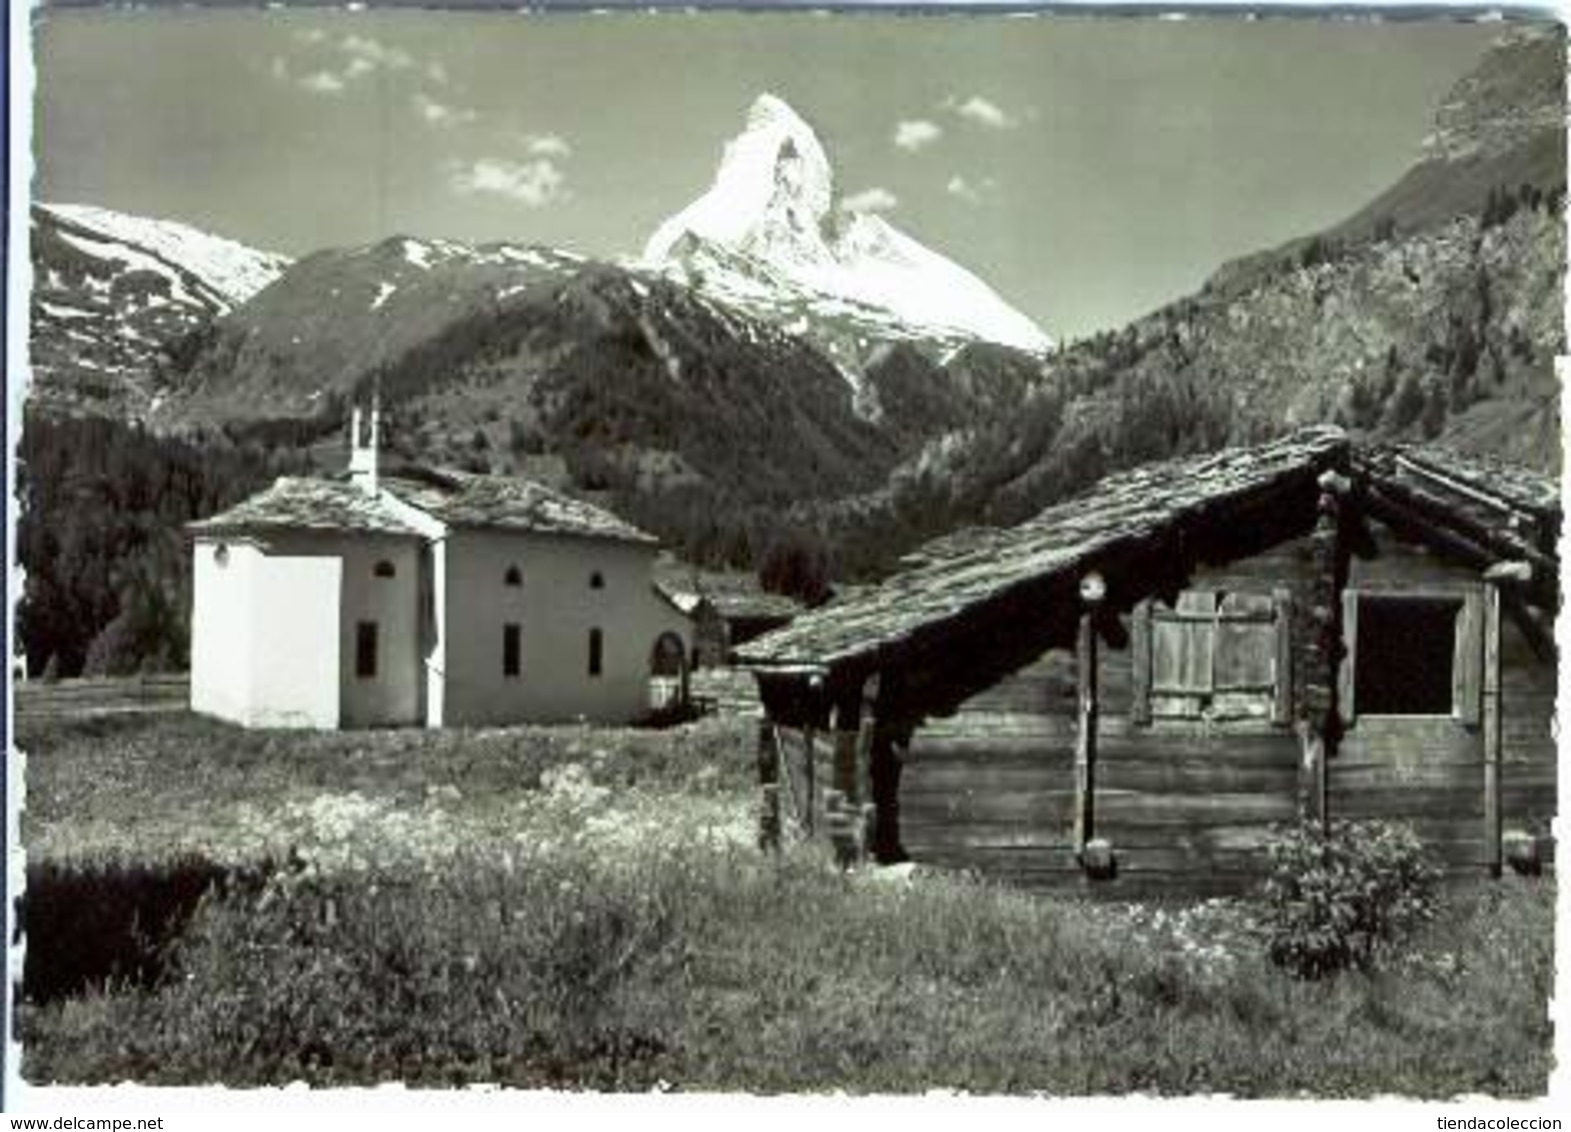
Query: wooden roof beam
x=1401 y=516
x=1450 y=483
x=1507 y=543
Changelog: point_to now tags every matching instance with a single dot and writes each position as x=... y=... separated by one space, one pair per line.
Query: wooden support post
x=1323 y=702
x=847 y=725
x=862 y=785
x=769 y=783
x=810 y=751
x=884 y=767
x=1140 y=665
x=1313 y=777
x=1091 y=593
x=1492 y=727
x=840 y=822
x=1085 y=738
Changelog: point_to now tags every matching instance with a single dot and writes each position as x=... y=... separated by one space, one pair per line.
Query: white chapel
x=428 y=598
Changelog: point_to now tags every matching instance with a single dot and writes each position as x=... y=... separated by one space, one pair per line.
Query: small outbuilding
x=1139 y=684
x=427 y=598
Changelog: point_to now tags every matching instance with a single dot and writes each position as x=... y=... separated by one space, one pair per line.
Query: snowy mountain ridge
x=114 y=295
x=770 y=236
x=230 y=271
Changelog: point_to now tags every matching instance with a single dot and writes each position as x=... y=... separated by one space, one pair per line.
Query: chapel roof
x=302 y=503
x=458 y=499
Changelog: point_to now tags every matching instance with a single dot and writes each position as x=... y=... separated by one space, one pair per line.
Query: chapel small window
x=512 y=653
x=365 y=650
x=221 y=555
x=596 y=651
x=596 y=581
x=513 y=577
x=385 y=569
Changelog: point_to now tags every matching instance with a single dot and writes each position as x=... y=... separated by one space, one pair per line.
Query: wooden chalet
x=1135 y=686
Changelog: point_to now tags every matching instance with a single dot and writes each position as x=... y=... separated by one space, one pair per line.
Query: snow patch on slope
x=131 y=259
x=231 y=270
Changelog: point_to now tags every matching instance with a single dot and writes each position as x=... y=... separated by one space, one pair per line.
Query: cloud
x=344 y=62
x=982 y=112
x=323 y=82
x=914 y=134
x=875 y=199
x=372 y=54
x=547 y=145
x=534 y=183
x=439 y=114
x=436 y=73
x=969 y=191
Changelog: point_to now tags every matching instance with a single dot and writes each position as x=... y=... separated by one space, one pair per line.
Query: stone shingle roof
x=734 y=595
x=1505 y=502
x=304 y=504
x=946 y=579
x=459 y=499
x=1487 y=509
x=464 y=499
x=1510 y=484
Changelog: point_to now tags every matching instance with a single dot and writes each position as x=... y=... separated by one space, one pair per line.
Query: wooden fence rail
x=97 y=696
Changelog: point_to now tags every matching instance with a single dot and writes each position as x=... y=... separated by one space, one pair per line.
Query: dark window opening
x=365 y=649
x=514 y=577
x=510 y=650
x=596 y=651
x=596 y=582
x=1406 y=655
x=668 y=673
x=668 y=655
x=385 y=569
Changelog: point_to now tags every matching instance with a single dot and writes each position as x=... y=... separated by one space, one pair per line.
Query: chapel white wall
x=555 y=608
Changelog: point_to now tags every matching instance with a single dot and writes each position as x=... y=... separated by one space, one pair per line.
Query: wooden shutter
x=1244 y=657
x=1346 y=703
x=1182 y=656
x=1467 y=668
x=1140 y=662
x=1282 y=670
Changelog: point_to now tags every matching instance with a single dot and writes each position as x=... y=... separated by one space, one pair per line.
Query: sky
x=1089 y=169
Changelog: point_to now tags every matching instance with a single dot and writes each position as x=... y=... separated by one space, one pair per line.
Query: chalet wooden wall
x=1188 y=806
x=1430 y=772
x=1530 y=757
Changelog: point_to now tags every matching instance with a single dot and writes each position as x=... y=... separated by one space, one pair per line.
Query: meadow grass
x=145 y=789
x=619 y=941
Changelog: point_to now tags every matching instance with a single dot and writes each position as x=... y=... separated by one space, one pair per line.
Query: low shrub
x=1338 y=896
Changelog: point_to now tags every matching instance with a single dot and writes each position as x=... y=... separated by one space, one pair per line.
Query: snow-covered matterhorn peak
x=772 y=193
x=772 y=220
